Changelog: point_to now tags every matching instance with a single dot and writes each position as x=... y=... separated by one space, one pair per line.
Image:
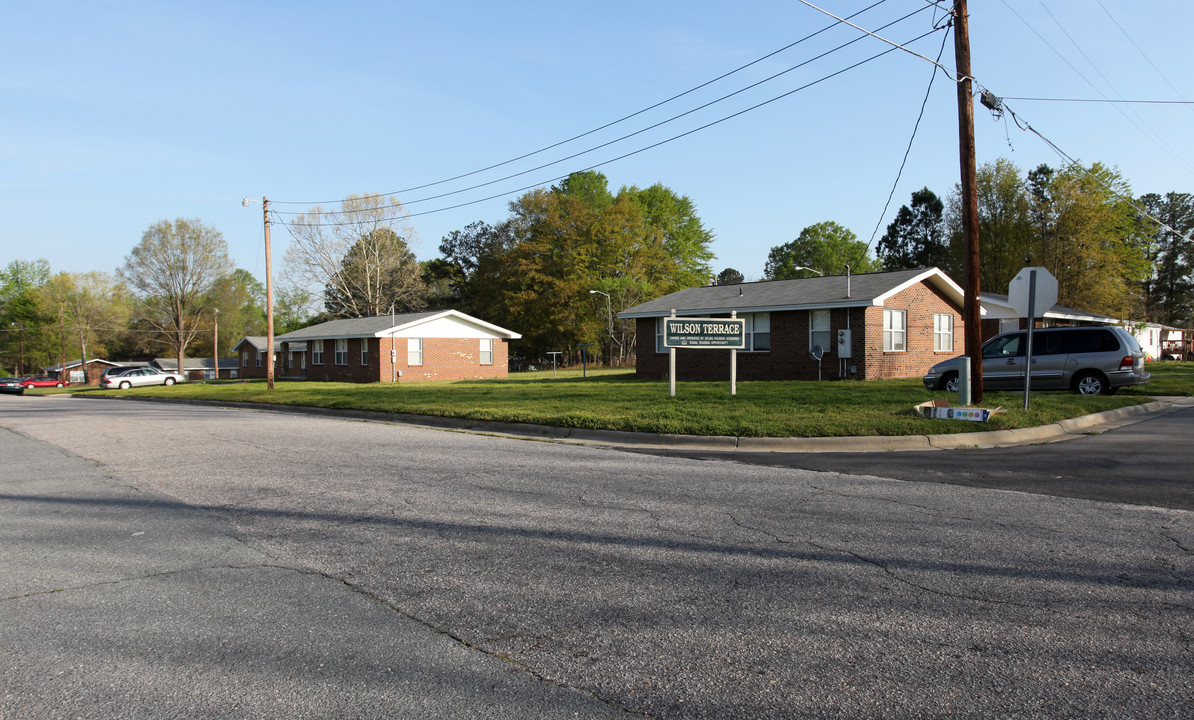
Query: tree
x=534 y=270
x=1169 y=290
x=685 y=238
x=379 y=274
x=174 y=268
x=917 y=237
x=730 y=276
x=23 y=318
x=1007 y=240
x=358 y=257
x=1090 y=241
x=825 y=247
x=240 y=298
x=93 y=306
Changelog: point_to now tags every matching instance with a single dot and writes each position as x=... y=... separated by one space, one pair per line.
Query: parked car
x=1087 y=360
x=37 y=381
x=12 y=385
x=138 y=377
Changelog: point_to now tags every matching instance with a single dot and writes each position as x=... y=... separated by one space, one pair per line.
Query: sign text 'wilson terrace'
x=727 y=333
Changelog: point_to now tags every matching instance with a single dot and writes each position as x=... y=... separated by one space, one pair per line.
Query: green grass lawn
x=616 y=400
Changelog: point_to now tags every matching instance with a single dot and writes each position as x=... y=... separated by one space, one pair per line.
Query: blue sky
x=119 y=114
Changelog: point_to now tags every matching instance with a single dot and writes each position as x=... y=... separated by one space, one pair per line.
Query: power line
x=908 y=150
x=1024 y=125
x=1103 y=100
x=633 y=152
x=619 y=139
x=609 y=124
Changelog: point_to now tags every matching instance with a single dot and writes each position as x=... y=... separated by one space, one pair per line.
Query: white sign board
x=1046 y=291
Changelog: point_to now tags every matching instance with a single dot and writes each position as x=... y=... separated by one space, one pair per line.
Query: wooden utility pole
x=269 y=303
x=215 y=343
x=971 y=310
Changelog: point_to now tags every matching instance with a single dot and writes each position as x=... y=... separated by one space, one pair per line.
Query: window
x=341 y=357
x=895 y=330
x=209 y=374
x=1004 y=346
x=486 y=351
x=364 y=351
x=414 y=351
x=659 y=347
x=943 y=332
x=316 y=352
x=260 y=357
x=244 y=358
x=758 y=331
x=818 y=329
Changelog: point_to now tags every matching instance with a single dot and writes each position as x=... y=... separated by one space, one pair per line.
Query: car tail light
x=1126 y=363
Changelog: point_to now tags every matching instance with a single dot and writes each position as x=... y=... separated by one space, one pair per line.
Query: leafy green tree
x=24 y=320
x=917 y=238
x=534 y=272
x=1008 y=239
x=173 y=270
x=826 y=247
x=240 y=298
x=730 y=276
x=94 y=308
x=1090 y=243
x=1169 y=290
x=685 y=239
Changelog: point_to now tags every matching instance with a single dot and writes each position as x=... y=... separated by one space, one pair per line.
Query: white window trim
x=943 y=339
x=414 y=357
x=364 y=352
x=486 y=349
x=316 y=352
x=890 y=331
x=827 y=331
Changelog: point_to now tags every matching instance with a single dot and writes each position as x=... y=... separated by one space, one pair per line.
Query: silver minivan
x=1087 y=360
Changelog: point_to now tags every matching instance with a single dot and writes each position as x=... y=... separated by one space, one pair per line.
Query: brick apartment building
x=440 y=345
x=896 y=324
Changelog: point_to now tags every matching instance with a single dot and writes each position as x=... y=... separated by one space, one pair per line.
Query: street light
x=269 y=298
x=801 y=267
x=609 y=312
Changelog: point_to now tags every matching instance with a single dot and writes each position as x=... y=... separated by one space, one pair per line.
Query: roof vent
x=739 y=292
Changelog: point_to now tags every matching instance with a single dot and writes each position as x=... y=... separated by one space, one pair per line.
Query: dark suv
x=1087 y=360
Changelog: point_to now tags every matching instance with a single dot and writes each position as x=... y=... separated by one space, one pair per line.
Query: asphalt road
x=1145 y=461
x=175 y=561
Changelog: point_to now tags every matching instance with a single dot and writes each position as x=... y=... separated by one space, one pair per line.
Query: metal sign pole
x=671 y=363
x=733 y=362
x=1028 y=335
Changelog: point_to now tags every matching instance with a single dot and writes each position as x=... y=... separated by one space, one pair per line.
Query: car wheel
x=168 y=381
x=949 y=382
x=1091 y=383
x=125 y=384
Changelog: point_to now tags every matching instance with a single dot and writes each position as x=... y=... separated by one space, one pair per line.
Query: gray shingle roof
x=354 y=327
x=379 y=325
x=811 y=292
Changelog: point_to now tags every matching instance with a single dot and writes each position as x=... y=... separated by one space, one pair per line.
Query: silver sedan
x=138 y=377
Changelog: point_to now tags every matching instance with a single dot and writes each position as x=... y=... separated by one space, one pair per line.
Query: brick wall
x=789 y=357
x=443 y=359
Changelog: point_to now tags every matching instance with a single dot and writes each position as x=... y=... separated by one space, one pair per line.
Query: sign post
x=1032 y=288
x=704 y=333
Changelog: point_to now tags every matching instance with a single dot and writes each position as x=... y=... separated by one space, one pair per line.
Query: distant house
x=199 y=368
x=999 y=316
x=896 y=324
x=439 y=345
x=79 y=372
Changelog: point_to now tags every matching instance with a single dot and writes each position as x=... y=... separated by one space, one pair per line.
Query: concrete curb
x=1053 y=432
